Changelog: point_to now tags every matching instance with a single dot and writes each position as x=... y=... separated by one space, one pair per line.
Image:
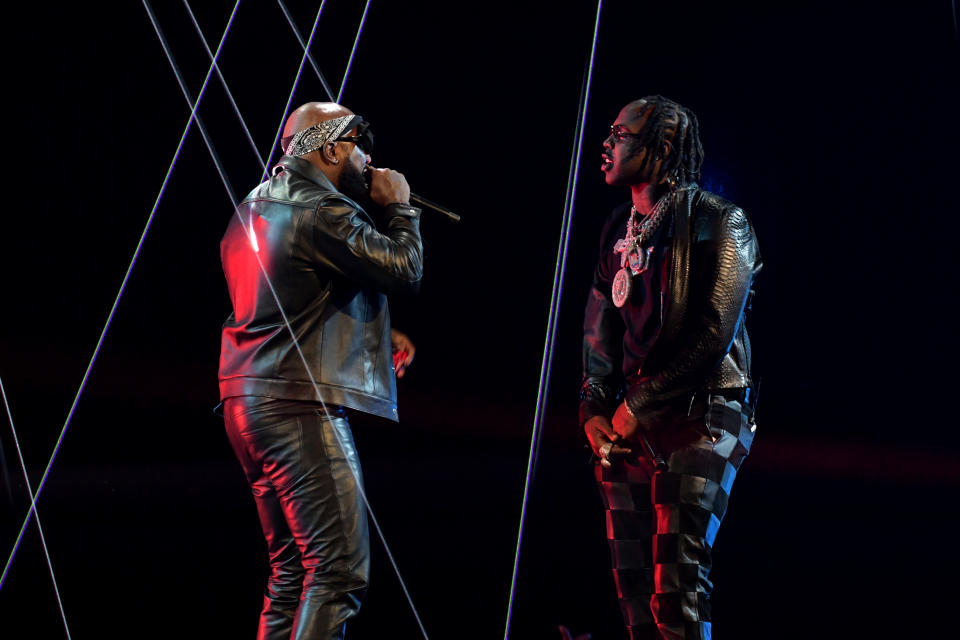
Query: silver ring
x=605 y=450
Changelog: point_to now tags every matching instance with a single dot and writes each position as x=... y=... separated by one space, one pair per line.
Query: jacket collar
x=305 y=169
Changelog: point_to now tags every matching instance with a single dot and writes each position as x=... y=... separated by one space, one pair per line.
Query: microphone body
x=414 y=198
x=423 y=202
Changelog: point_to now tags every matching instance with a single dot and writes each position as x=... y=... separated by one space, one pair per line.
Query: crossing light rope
x=36 y=515
x=116 y=302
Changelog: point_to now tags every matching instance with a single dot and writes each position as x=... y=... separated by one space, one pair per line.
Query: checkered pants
x=661 y=525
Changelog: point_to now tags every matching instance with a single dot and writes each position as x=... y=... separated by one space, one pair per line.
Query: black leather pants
x=661 y=525
x=304 y=480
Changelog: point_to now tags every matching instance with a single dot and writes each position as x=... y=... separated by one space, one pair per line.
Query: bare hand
x=403 y=351
x=624 y=424
x=388 y=186
x=604 y=441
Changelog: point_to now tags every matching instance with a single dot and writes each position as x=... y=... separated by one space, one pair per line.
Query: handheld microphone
x=423 y=202
x=418 y=200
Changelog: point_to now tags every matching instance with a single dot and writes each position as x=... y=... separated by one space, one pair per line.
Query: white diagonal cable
x=116 y=302
x=303 y=45
x=548 y=346
x=223 y=83
x=346 y=72
x=33 y=504
x=293 y=90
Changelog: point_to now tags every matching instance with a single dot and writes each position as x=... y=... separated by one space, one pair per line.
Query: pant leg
x=328 y=519
x=625 y=489
x=286 y=571
x=310 y=508
x=689 y=501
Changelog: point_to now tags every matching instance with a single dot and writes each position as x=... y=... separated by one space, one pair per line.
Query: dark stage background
x=833 y=124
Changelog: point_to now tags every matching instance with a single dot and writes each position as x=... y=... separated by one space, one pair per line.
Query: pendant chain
x=634 y=257
x=631 y=248
x=649 y=224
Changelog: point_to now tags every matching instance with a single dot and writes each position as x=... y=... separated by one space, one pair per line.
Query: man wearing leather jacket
x=301 y=257
x=666 y=399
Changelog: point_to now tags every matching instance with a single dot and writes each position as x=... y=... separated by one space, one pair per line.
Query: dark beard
x=354 y=187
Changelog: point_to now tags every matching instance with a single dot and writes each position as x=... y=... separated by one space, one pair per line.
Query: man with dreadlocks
x=666 y=400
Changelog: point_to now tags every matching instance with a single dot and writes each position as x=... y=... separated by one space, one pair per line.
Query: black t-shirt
x=642 y=316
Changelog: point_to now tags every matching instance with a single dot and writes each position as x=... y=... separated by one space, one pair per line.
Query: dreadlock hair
x=665 y=114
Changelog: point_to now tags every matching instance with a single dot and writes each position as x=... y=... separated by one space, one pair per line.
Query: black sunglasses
x=620 y=133
x=363 y=139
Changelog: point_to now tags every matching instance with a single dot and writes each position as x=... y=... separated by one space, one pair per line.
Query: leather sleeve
x=725 y=259
x=601 y=356
x=347 y=243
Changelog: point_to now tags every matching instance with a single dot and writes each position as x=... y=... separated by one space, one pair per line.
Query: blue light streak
x=33 y=504
x=116 y=302
x=303 y=45
x=559 y=272
x=293 y=90
x=223 y=83
x=346 y=71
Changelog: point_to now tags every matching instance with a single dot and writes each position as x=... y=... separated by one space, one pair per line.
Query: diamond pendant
x=621 y=288
x=625 y=245
x=640 y=260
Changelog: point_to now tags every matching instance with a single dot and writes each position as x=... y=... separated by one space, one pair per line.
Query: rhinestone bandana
x=312 y=138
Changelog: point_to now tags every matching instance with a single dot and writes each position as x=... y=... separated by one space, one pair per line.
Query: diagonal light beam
x=233 y=200
x=116 y=302
x=226 y=89
x=346 y=72
x=303 y=45
x=555 y=296
x=33 y=503
x=293 y=90
x=313 y=63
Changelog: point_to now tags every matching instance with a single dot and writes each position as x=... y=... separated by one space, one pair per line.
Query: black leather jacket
x=703 y=343
x=331 y=270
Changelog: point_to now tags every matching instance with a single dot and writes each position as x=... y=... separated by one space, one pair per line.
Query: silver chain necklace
x=635 y=258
